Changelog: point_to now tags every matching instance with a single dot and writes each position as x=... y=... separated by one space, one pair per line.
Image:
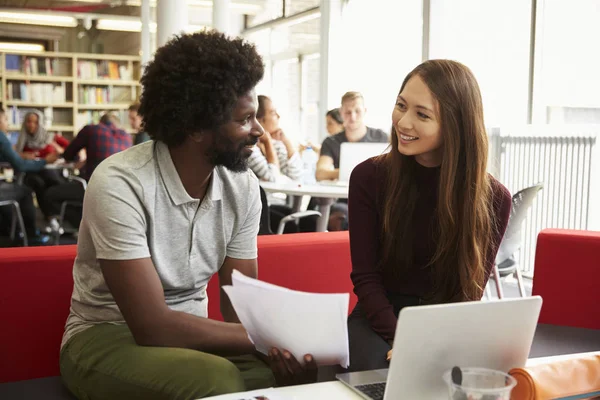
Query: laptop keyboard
x=373 y=390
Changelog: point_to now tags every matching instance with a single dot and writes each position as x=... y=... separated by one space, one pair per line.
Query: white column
x=171 y=19
x=330 y=61
x=145 y=38
x=220 y=16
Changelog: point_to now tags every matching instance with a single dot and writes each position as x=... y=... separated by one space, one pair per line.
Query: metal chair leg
x=61 y=220
x=17 y=219
x=498 y=282
x=488 y=292
x=13 y=226
x=520 y=282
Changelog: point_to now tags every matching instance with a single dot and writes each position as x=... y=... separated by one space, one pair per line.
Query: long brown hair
x=463 y=221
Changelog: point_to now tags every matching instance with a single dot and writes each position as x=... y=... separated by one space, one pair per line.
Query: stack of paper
x=299 y=322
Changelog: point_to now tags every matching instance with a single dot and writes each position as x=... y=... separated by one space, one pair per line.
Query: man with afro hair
x=159 y=220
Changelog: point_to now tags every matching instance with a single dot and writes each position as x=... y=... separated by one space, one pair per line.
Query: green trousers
x=104 y=362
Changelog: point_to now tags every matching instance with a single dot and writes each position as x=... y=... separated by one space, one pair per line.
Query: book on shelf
x=103 y=70
x=16 y=115
x=30 y=65
x=37 y=92
x=103 y=95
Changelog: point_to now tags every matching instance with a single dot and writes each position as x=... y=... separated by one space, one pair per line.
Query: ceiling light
x=295 y=19
x=126 y=25
x=135 y=25
x=246 y=7
x=27 y=47
x=33 y=18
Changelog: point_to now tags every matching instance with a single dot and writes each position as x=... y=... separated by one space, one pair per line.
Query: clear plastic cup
x=480 y=384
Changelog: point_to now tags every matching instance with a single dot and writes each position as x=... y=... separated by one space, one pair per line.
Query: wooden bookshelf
x=72 y=88
x=38 y=78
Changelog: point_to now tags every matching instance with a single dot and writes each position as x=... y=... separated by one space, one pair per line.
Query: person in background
x=13 y=191
x=100 y=142
x=275 y=154
x=353 y=111
x=135 y=120
x=275 y=159
x=426 y=219
x=36 y=142
x=335 y=123
x=162 y=218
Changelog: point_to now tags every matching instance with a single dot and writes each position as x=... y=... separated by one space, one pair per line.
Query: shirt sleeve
x=364 y=246
x=80 y=142
x=258 y=163
x=291 y=167
x=61 y=141
x=243 y=244
x=114 y=214
x=7 y=154
x=327 y=148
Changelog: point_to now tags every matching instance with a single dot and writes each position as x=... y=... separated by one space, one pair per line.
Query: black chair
x=63 y=209
x=17 y=219
x=506 y=264
x=265 y=217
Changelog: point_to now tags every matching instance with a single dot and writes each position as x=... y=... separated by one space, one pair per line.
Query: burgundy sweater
x=365 y=213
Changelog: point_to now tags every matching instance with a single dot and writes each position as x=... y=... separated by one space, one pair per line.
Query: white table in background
x=69 y=166
x=324 y=193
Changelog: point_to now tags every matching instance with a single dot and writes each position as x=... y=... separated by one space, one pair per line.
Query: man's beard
x=224 y=152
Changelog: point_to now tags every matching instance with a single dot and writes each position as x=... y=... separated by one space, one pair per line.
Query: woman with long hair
x=426 y=218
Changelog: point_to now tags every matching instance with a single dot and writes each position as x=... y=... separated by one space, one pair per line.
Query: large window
x=381 y=43
x=290 y=51
x=492 y=39
x=567 y=73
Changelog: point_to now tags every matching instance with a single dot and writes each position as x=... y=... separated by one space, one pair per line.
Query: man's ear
x=198 y=137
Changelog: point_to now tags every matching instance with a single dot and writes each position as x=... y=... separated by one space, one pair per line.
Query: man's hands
x=51 y=158
x=288 y=371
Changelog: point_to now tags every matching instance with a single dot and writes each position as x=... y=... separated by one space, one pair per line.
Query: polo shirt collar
x=173 y=183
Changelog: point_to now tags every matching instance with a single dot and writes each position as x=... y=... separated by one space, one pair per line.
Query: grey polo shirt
x=135 y=207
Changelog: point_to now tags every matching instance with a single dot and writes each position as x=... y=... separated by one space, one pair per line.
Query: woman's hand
x=265 y=138
x=288 y=371
x=58 y=147
x=28 y=155
x=51 y=158
x=389 y=355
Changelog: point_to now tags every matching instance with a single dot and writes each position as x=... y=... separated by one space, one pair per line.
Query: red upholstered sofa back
x=567 y=276
x=36 y=286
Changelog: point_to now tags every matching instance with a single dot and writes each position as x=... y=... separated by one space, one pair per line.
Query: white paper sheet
x=300 y=322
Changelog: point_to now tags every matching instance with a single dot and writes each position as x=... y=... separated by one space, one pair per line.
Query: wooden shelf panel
x=53 y=128
x=81 y=56
x=38 y=78
x=110 y=106
x=19 y=103
x=106 y=82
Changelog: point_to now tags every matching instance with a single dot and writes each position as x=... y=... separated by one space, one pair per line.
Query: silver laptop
x=430 y=340
x=352 y=154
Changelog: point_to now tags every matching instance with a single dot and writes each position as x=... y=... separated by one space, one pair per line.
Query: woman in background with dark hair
x=427 y=219
x=334 y=121
x=35 y=142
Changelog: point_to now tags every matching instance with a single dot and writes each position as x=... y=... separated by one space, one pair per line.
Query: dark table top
x=553 y=340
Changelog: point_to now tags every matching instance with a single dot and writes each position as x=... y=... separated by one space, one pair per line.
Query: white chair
x=506 y=264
